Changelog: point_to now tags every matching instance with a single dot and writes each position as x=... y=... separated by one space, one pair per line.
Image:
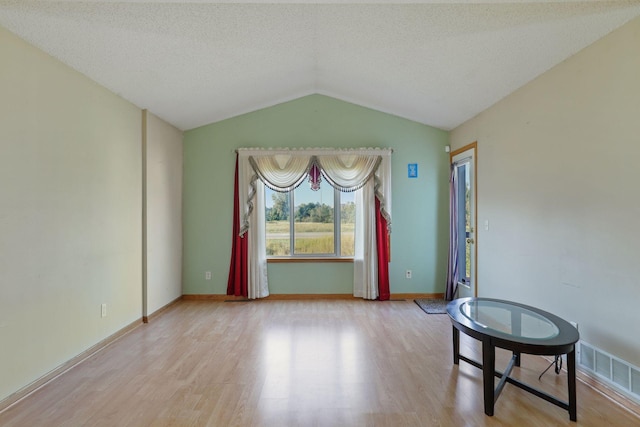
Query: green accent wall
x=420 y=205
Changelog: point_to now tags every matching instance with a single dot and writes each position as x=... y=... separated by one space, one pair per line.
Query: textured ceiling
x=194 y=63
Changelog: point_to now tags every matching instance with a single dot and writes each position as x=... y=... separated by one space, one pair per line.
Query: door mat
x=432 y=306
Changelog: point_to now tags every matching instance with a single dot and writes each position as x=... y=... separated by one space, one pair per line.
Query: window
x=314 y=223
x=465 y=227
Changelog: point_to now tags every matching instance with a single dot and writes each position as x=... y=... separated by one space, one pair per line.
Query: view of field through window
x=312 y=221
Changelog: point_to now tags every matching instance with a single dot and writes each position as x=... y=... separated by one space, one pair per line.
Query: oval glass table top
x=509 y=319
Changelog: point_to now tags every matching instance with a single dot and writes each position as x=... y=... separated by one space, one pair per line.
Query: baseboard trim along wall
x=158 y=312
x=615 y=376
x=607 y=392
x=24 y=392
x=417 y=296
x=280 y=297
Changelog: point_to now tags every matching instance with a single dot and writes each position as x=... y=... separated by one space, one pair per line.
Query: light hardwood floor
x=297 y=363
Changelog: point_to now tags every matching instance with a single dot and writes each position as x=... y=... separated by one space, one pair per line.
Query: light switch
x=486 y=225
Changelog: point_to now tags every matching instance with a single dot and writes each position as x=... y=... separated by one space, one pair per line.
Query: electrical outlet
x=207 y=275
x=407 y=274
x=103 y=310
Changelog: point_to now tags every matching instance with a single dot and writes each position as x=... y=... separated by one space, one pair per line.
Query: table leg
x=456 y=346
x=516 y=329
x=571 y=379
x=488 y=373
x=517 y=355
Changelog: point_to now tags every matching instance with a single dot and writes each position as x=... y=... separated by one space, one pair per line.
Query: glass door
x=463 y=161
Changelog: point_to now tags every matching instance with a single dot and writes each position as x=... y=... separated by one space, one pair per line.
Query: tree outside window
x=314 y=223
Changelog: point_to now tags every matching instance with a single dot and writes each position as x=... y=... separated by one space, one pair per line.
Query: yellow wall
x=71 y=213
x=558 y=182
x=164 y=213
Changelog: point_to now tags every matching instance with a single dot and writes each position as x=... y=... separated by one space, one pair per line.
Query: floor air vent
x=612 y=370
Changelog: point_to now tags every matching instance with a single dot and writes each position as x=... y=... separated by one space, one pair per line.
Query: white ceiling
x=197 y=62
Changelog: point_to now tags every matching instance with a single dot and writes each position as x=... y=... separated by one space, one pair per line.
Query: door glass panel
x=465 y=231
x=467 y=224
x=464 y=166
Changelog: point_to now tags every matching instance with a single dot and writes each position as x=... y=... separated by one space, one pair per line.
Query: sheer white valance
x=285 y=169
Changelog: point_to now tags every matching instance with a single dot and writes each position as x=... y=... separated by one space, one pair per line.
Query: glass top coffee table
x=520 y=329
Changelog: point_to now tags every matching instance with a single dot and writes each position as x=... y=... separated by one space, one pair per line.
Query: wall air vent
x=635 y=381
x=587 y=357
x=603 y=365
x=613 y=371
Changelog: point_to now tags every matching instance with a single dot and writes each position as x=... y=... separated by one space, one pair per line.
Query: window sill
x=307 y=259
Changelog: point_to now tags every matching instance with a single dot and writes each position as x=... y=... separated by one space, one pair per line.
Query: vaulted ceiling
x=196 y=62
